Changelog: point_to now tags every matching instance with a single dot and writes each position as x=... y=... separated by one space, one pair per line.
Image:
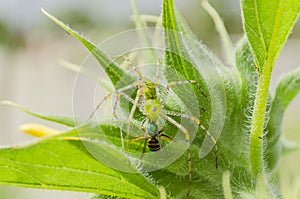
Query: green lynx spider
x=151 y=104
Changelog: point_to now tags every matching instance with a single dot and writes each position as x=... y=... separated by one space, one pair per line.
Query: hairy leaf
x=115 y=73
x=286 y=90
x=64 y=162
x=68 y=121
x=267 y=25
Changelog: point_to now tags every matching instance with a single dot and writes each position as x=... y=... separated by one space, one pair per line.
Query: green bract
x=239 y=112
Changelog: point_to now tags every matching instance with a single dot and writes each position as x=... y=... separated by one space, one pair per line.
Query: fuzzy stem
x=163 y=194
x=256 y=141
x=226 y=185
x=257 y=127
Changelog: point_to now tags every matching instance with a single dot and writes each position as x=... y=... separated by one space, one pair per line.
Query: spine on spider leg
x=213 y=140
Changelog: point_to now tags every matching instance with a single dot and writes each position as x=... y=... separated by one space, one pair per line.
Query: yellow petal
x=38 y=130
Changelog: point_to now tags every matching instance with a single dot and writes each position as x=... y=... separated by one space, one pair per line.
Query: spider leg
x=145 y=137
x=144 y=149
x=175 y=83
x=132 y=85
x=166 y=136
x=198 y=122
x=156 y=78
x=187 y=139
x=125 y=96
x=139 y=95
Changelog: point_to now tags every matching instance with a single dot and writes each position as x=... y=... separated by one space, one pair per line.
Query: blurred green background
x=30 y=74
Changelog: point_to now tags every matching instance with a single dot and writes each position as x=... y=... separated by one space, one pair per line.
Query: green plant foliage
x=59 y=164
x=112 y=70
x=247 y=128
x=286 y=91
x=227 y=44
x=68 y=121
x=267 y=25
